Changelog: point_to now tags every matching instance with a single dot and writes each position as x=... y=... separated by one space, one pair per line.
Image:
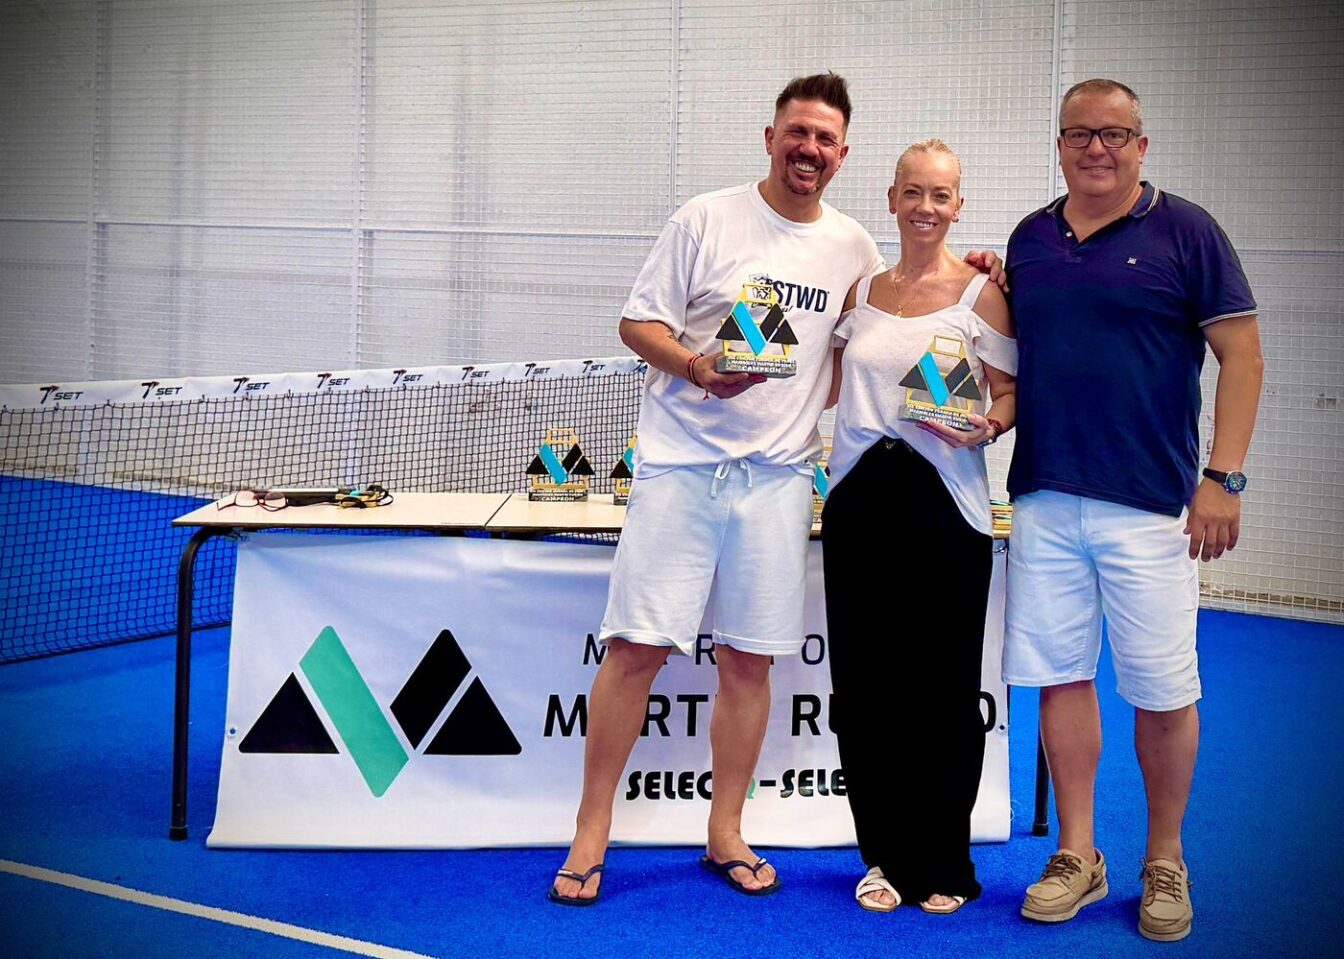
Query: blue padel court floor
x=88 y=871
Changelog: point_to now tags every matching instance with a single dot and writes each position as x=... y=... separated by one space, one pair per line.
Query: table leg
x=186 y=581
x=1041 y=825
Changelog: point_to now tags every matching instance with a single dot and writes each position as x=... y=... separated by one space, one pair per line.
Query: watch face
x=1235 y=482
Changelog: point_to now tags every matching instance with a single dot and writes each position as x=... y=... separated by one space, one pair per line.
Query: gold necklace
x=910 y=292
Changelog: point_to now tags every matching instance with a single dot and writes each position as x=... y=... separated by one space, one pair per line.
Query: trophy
x=559 y=472
x=940 y=387
x=623 y=474
x=764 y=346
x=821 y=484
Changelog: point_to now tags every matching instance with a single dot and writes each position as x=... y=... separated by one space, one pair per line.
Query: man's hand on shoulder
x=1213 y=522
x=987 y=261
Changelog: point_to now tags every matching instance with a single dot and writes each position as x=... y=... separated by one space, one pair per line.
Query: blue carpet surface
x=84 y=777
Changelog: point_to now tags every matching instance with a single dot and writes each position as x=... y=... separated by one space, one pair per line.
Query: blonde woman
x=906 y=631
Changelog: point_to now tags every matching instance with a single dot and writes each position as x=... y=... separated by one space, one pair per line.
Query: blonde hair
x=931 y=145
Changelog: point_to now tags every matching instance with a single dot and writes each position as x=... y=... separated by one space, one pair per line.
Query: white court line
x=227 y=916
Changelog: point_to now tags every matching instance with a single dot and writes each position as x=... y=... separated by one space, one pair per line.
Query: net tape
x=94 y=473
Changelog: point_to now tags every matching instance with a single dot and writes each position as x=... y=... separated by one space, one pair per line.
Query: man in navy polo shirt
x=1116 y=289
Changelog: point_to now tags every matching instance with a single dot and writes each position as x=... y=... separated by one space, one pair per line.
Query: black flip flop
x=582 y=879
x=725 y=869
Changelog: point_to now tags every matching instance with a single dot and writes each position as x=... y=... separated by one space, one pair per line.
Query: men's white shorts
x=732 y=539
x=1073 y=560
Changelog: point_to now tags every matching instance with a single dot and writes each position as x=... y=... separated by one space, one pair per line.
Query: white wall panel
x=46 y=108
x=540 y=116
x=177 y=301
x=237 y=111
x=975 y=74
x=1243 y=102
x=1292 y=550
x=195 y=188
x=44 y=309
x=479 y=298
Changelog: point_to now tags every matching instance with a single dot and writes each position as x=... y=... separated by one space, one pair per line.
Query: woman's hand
x=983 y=433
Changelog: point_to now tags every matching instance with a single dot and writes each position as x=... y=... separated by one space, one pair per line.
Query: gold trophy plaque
x=757 y=347
x=940 y=387
x=623 y=474
x=560 y=470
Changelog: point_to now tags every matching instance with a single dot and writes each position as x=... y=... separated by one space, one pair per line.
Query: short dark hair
x=830 y=88
x=1104 y=86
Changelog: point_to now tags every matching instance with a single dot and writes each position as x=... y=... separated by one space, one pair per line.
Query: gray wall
x=249 y=185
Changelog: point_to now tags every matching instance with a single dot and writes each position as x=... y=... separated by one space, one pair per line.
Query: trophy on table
x=623 y=474
x=940 y=387
x=755 y=335
x=559 y=472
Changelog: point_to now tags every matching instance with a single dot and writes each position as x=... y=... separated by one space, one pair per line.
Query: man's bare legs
x=617 y=706
x=1071 y=729
x=616 y=710
x=1167 y=744
x=736 y=732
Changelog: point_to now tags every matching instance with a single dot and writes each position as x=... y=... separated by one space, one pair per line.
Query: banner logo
x=473 y=726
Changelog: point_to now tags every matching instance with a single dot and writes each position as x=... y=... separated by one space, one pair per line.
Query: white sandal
x=873 y=882
x=944 y=910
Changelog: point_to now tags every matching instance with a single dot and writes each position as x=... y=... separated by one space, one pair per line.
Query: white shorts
x=1073 y=560
x=740 y=529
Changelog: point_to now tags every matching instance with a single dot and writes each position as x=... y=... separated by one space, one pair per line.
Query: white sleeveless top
x=880 y=350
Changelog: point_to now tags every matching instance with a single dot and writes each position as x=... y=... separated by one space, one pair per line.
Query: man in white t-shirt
x=722 y=498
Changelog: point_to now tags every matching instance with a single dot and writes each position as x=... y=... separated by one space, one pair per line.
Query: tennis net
x=93 y=474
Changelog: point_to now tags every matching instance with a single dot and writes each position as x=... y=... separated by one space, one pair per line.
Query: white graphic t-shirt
x=717 y=251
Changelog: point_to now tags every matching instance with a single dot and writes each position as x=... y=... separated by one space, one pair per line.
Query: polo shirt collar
x=1142 y=206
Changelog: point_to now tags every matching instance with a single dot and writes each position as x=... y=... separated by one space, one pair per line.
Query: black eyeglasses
x=271 y=502
x=1112 y=138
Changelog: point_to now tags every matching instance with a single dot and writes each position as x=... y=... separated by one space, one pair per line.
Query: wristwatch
x=1234 y=482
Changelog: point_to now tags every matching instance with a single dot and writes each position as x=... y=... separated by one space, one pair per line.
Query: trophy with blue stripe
x=940 y=387
x=623 y=474
x=756 y=337
x=560 y=470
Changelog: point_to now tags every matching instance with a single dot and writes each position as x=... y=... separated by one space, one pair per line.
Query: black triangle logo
x=436 y=678
x=621 y=470
x=914 y=380
x=537 y=467
x=773 y=318
x=288 y=724
x=730 y=330
x=961 y=383
x=785 y=335
x=475 y=728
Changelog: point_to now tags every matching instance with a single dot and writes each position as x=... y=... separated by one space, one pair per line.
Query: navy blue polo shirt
x=1110 y=347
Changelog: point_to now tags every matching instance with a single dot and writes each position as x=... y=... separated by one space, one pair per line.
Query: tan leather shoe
x=1165 y=912
x=1067 y=885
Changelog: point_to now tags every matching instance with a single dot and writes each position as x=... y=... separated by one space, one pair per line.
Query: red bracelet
x=690 y=370
x=998 y=427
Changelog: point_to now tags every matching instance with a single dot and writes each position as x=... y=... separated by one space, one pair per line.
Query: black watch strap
x=1233 y=481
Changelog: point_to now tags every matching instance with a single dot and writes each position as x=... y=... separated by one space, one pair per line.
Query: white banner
x=431 y=693
x=258 y=385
